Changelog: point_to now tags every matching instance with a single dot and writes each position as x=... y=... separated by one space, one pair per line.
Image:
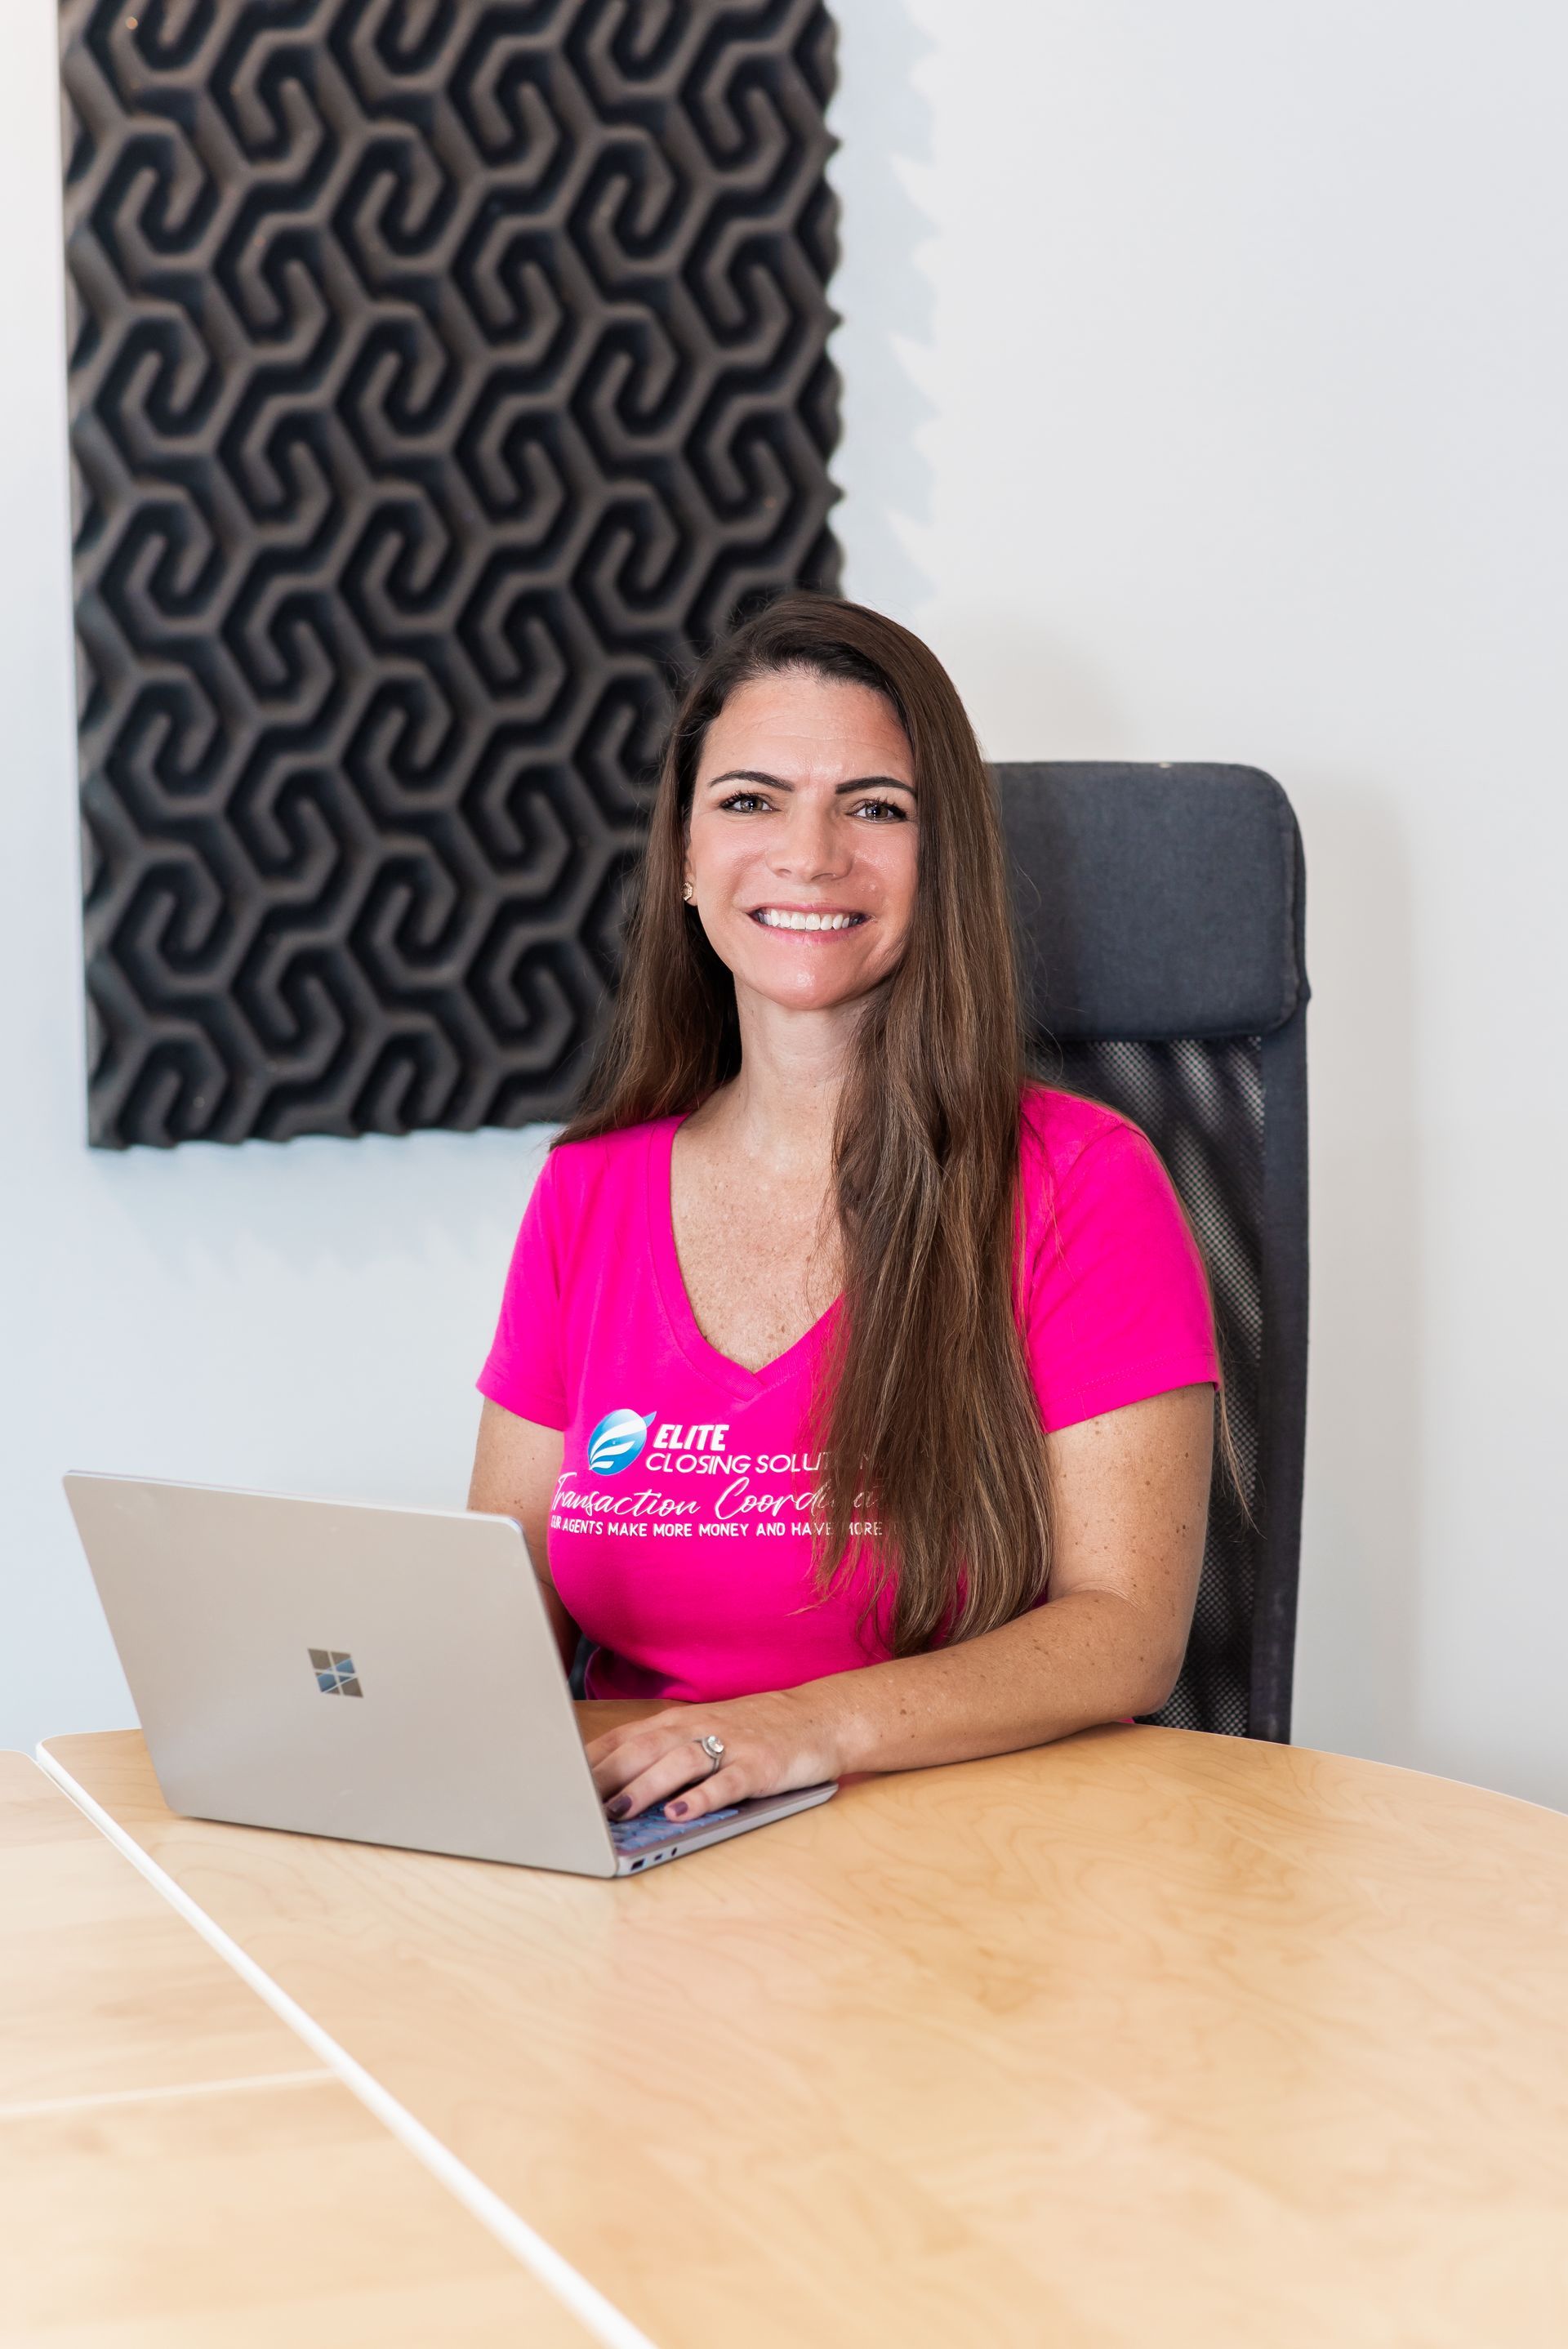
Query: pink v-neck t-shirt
x=680 y=1527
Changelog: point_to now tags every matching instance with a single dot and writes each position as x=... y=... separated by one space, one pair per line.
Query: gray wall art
x=442 y=375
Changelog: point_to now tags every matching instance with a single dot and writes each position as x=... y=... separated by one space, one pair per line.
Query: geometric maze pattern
x=1202 y=1105
x=443 y=376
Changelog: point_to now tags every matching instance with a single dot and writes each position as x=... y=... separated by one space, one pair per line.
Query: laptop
x=384 y=1674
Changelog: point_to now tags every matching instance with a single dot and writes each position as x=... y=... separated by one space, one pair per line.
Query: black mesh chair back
x=1161 y=911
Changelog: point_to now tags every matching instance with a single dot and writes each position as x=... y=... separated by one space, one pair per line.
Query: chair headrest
x=1155 y=901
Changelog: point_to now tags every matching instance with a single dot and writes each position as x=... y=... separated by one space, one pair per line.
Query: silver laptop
x=384 y=1674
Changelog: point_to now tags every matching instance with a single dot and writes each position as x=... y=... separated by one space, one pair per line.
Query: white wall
x=1205 y=370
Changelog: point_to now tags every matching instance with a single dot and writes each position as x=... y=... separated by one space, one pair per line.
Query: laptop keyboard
x=652 y=1826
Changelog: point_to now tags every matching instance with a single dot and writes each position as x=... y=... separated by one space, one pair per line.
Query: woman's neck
x=780 y=1109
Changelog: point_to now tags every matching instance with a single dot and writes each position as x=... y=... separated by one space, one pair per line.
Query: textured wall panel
x=442 y=375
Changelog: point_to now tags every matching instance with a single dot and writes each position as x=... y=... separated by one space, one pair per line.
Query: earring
x=688 y=893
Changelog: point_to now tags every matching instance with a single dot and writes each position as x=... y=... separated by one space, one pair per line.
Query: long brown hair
x=935 y=1471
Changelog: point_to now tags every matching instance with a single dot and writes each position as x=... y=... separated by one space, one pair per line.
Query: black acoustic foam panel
x=442 y=375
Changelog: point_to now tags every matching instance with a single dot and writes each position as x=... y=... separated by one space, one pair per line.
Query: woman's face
x=804 y=813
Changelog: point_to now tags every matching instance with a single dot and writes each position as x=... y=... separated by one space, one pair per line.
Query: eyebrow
x=777 y=783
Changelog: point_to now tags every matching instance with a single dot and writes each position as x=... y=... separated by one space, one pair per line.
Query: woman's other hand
x=772 y=1744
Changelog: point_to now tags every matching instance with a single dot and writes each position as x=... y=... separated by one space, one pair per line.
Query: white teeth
x=774 y=919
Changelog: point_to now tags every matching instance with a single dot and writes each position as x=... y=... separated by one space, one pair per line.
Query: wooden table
x=176 y=2170
x=1145 y=2037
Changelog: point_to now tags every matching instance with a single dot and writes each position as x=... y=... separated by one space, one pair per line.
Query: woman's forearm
x=561 y=1623
x=1088 y=1657
x=1130 y=1490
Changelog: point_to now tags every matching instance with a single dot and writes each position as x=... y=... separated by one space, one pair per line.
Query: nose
x=810 y=844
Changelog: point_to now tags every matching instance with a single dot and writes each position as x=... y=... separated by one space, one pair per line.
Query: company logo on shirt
x=617 y=1441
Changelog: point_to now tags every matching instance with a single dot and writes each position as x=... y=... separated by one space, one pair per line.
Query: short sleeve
x=1118 y=1307
x=523 y=1372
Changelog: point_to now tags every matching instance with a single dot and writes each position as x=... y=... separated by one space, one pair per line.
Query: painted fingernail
x=620 y=1806
x=674 y=1810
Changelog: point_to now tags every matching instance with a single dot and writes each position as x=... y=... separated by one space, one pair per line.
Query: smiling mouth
x=776 y=917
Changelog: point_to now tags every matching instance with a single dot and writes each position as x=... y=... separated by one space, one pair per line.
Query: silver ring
x=713 y=1747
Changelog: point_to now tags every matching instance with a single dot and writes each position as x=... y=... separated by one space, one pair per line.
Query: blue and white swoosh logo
x=617 y=1442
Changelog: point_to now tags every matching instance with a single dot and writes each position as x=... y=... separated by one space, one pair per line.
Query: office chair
x=1161 y=911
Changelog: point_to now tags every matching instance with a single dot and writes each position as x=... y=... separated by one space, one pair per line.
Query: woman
x=855 y=1396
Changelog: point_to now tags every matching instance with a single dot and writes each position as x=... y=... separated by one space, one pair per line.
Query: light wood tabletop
x=1144 y=2035
x=176 y=2168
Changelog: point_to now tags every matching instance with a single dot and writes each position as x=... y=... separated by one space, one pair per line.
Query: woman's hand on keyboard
x=772 y=1744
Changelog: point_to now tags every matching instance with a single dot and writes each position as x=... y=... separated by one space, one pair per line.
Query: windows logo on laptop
x=334 y=1674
